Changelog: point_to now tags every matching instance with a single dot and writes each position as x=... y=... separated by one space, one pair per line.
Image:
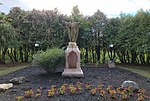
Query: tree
x=99 y=21
x=17 y=18
x=75 y=14
x=7 y=36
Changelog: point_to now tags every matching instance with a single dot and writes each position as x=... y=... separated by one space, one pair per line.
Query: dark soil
x=37 y=78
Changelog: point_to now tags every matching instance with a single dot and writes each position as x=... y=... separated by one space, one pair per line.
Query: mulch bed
x=37 y=78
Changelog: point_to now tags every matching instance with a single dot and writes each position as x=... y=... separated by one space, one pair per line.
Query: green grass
x=141 y=70
x=7 y=70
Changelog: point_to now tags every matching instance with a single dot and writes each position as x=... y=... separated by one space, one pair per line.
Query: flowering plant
x=141 y=95
x=79 y=87
x=51 y=92
x=112 y=94
x=125 y=94
x=61 y=90
x=102 y=93
x=129 y=90
x=93 y=91
x=87 y=86
x=118 y=90
x=39 y=92
x=72 y=89
x=109 y=88
x=29 y=93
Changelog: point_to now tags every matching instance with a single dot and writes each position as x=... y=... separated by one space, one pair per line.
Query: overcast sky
x=111 y=8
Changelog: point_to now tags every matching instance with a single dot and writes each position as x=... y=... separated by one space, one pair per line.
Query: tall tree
x=99 y=21
x=7 y=36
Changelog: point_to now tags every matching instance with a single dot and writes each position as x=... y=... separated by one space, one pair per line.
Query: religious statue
x=73 y=29
x=72 y=53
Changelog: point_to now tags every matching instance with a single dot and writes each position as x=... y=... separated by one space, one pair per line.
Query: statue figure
x=73 y=29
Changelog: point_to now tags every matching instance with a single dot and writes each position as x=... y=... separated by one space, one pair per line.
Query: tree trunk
x=15 y=55
x=148 y=58
x=98 y=53
x=123 y=56
x=142 y=58
x=128 y=57
x=86 y=55
x=10 y=55
x=93 y=55
x=26 y=54
x=120 y=56
x=0 y=55
x=133 y=59
x=3 y=55
x=21 y=54
x=104 y=55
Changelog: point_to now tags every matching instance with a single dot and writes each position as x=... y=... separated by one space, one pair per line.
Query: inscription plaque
x=72 y=60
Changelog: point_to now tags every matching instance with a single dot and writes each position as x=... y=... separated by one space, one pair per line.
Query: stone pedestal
x=111 y=64
x=72 y=65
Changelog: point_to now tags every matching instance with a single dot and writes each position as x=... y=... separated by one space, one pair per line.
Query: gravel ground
x=37 y=78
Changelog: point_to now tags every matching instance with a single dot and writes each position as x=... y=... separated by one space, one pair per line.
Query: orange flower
x=112 y=93
x=93 y=91
x=87 y=86
x=102 y=93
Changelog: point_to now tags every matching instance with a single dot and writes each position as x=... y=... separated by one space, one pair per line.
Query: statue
x=73 y=29
x=72 y=53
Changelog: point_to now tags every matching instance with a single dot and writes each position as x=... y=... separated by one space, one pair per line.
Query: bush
x=50 y=59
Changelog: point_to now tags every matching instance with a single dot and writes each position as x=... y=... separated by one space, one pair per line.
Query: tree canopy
x=20 y=30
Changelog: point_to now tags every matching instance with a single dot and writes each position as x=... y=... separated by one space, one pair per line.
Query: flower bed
x=101 y=90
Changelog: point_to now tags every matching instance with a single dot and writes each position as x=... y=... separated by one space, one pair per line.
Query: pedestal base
x=111 y=64
x=73 y=73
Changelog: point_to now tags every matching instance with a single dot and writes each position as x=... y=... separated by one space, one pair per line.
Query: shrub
x=50 y=59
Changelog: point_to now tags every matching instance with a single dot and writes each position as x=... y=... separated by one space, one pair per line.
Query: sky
x=111 y=8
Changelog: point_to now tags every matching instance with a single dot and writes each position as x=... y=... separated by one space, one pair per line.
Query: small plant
x=93 y=91
x=51 y=92
x=79 y=87
x=72 y=89
x=29 y=93
x=141 y=95
x=61 y=91
x=112 y=94
x=129 y=90
x=87 y=86
x=118 y=90
x=124 y=95
x=109 y=88
x=39 y=92
x=19 y=98
x=102 y=93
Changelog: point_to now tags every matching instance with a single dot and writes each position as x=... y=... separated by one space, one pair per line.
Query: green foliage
x=50 y=59
x=7 y=33
x=130 y=35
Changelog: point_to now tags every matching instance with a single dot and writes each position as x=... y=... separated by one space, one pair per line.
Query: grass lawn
x=142 y=70
x=9 y=68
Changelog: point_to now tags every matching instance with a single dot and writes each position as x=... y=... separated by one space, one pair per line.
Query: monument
x=72 y=53
x=111 y=63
